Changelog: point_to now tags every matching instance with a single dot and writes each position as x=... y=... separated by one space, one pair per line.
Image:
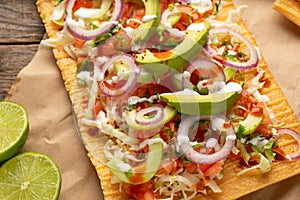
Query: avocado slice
x=251 y=123
x=192 y=103
x=145 y=30
x=141 y=173
x=180 y=56
x=169 y=113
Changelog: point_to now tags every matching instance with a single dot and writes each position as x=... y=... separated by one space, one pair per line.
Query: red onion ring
x=157 y=111
x=130 y=82
x=206 y=68
x=252 y=62
x=105 y=27
x=196 y=157
x=296 y=136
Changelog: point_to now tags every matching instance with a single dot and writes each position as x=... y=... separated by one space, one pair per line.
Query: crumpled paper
x=39 y=88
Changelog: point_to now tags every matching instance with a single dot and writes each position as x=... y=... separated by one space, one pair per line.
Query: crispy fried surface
x=233 y=187
x=289 y=8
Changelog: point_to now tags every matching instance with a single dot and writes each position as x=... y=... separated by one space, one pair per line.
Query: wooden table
x=21 y=31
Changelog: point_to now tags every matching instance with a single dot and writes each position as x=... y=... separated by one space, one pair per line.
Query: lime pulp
x=14 y=128
x=30 y=176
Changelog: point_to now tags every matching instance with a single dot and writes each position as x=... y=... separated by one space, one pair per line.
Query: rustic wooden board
x=12 y=59
x=21 y=30
x=20 y=22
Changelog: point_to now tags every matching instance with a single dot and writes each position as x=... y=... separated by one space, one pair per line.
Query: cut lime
x=14 y=128
x=30 y=176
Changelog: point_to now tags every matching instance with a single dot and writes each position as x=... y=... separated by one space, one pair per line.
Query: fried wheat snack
x=173 y=99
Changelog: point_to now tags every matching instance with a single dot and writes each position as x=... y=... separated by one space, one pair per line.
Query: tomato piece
x=164 y=4
x=195 y=15
x=247 y=101
x=139 y=13
x=168 y=166
x=82 y=4
x=140 y=192
x=267 y=119
x=190 y=166
x=189 y=15
x=130 y=8
x=97 y=107
x=78 y=43
x=212 y=169
x=149 y=89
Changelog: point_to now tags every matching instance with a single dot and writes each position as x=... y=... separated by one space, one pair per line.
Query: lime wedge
x=30 y=176
x=14 y=128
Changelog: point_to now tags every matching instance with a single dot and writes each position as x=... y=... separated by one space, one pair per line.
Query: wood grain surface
x=21 y=31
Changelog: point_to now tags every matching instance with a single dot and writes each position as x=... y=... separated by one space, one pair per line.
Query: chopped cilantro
x=103 y=37
x=84 y=65
x=217 y=5
x=239 y=131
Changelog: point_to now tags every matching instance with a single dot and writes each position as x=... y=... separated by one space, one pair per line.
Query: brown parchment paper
x=40 y=89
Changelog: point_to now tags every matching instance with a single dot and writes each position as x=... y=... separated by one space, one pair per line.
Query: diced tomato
x=82 y=4
x=195 y=15
x=164 y=4
x=130 y=9
x=97 y=107
x=247 y=101
x=78 y=43
x=267 y=119
x=149 y=89
x=233 y=156
x=190 y=167
x=140 y=192
x=139 y=13
x=280 y=154
x=168 y=166
x=212 y=169
x=189 y=15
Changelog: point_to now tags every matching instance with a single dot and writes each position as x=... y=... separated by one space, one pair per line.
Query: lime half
x=30 y=176
x=14 y=128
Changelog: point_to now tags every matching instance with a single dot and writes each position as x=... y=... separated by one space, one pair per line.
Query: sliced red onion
x=105 y=27
x=207 y=69
x=167 y=25
x=296 y=136
x=253 y=60
x=150 y=115
x=129 y=84
x=200 y=158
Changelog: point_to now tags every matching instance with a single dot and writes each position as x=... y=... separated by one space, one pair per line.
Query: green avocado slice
x=141 y=173
x=250 y=124
x=180 y=56
x=145 y=30
x=193 y=103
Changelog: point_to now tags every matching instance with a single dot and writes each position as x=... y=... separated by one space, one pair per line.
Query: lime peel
x=14 y=128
